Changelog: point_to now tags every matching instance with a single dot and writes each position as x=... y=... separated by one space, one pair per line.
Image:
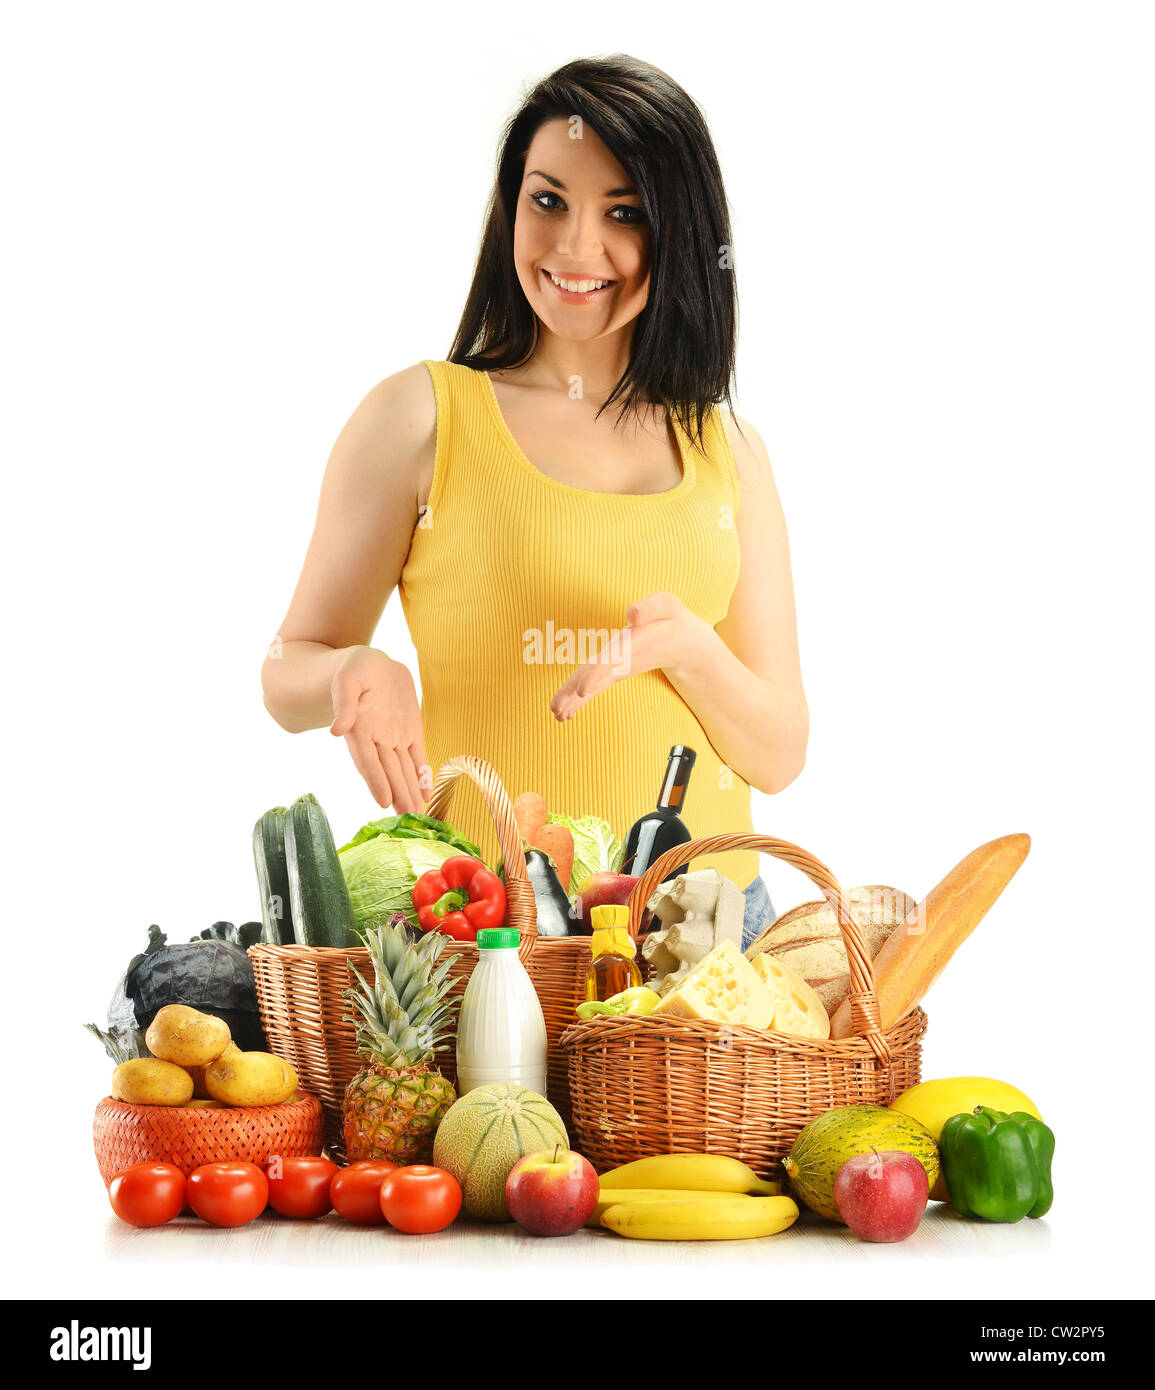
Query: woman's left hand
x=661 y=633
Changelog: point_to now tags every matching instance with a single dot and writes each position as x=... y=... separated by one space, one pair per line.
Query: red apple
x=552 y=1193
x=882 y=1196
x=597 y=891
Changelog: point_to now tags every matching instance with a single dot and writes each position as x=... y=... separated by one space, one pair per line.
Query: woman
x=584 y=588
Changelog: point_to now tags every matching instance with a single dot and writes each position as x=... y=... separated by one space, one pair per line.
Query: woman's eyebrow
x=626 y=192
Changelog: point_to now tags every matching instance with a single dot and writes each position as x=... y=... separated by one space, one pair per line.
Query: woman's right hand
x=375 y=710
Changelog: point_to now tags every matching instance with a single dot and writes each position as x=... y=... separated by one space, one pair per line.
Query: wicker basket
x=124 y=1134
x=299 y=988
x=641 y=1086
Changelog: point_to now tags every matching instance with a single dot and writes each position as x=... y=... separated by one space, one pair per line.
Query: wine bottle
x=662 y=828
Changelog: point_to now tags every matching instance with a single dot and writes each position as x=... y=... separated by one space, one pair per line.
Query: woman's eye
x=632 y=217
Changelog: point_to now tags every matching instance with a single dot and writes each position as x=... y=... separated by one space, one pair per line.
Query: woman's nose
x=580 y=239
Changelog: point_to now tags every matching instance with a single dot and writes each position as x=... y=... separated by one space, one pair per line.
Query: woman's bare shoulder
x=403 y=404
x=391 y=434
x=747 y=446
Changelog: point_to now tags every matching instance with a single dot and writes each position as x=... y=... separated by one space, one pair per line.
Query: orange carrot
x=557 y=842
x=531 y=813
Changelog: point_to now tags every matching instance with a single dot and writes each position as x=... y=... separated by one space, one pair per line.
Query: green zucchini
x=318 y=897
x=273 y=877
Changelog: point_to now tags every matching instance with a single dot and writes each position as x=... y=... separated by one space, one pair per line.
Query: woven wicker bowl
x=642 y=1086
x=299 y=988
x=126 y=1134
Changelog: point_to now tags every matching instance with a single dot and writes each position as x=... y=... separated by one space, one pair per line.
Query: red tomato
x=228 y=1194
x=300 y=1186
x=147 y=1194
x=355 y=1191
x=420 y=1199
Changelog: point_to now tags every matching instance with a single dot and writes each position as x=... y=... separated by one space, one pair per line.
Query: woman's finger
x=634 y=652
x=617 y=657
x=393 y=771
x=363 y=751
x=615 y=661
x=593 y=678
x=653 y=608
x=409 y=772
x=424 y=771
x=582 y=686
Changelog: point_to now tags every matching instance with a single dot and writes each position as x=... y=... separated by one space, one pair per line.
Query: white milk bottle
x=501 y=1030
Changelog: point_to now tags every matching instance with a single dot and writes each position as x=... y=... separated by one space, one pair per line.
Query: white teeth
x=579 y=286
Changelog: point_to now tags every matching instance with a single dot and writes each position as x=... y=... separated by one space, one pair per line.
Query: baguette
x=918 y=952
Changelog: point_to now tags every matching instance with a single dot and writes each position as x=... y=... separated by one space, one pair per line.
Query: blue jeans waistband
x=759 y=910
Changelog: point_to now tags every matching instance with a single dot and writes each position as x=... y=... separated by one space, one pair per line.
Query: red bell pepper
x=460 y=898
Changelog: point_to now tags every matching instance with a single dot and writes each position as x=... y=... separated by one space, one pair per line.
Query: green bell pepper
x=997 y=1166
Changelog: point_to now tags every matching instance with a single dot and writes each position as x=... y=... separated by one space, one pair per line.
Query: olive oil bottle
x=613 y=967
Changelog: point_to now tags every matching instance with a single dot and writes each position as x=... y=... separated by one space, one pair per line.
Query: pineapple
x=397 y=1100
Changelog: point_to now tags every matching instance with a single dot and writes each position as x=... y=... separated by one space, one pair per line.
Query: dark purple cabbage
x=214 y=975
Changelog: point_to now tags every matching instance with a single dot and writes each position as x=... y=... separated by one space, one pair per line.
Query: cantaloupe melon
x=483 y=1135
x=828 y=1141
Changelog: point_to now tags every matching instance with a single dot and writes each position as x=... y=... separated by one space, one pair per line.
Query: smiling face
x=578 y=221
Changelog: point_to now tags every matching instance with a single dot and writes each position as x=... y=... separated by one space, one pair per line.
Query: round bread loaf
x=808 y=940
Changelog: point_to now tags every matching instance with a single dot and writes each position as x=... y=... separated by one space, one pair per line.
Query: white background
x=226 y=222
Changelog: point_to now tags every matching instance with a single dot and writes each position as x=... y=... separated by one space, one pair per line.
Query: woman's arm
x=320 y=670
x=742 y=679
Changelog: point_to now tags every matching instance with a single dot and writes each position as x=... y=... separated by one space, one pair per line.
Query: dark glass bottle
x=662 y=828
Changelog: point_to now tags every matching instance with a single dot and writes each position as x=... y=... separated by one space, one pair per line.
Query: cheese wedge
x=797 y=1008
x=723 y=987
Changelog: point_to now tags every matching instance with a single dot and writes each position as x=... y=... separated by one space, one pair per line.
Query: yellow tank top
x=510 y=578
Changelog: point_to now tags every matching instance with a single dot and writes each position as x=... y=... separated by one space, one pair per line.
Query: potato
x=149 y=1081
x=250 y=1078
x=202 y=1103
x=200 y=1090
x=186 y=1036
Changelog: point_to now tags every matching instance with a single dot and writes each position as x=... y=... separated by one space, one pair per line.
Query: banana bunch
x=690 y=1197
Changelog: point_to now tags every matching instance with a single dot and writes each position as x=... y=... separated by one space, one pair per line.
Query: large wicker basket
x=299 y=988
x=125 y=1134
x=641 y=1086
